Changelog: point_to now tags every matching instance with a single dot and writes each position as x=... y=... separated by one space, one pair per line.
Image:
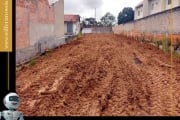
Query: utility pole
x=95 y=19
x=95 y=13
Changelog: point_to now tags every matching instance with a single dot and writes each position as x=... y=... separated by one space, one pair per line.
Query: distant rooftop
x=71 y=18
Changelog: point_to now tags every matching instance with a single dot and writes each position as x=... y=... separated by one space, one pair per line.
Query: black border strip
x=4 y=56
x=103 y=118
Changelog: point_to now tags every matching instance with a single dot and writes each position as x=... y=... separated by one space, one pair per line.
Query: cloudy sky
x=86 y=8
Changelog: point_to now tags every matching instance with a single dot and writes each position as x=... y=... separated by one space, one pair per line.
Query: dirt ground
x=101 y=75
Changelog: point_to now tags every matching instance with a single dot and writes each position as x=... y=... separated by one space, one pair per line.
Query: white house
x=149 y=7
x=71 y=24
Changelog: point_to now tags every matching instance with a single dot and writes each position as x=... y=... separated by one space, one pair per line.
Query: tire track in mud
x=129 y=93
x=98 y=75
x=163 y=103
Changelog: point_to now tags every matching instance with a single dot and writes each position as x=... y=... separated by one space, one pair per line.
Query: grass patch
x=32 y=62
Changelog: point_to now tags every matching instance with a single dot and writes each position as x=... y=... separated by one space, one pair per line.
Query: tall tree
x=126 y=15
x=108 y=19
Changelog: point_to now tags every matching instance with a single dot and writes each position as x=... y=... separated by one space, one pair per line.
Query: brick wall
x=22 y=38
x=35 y=27
x=154 y=26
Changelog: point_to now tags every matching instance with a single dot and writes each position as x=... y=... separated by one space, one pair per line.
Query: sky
x=86 y=8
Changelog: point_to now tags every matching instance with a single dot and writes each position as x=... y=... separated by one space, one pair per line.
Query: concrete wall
x=157 y=23
x=38 y=27
x=154 y=27
x=97 y=30
x=102 y=30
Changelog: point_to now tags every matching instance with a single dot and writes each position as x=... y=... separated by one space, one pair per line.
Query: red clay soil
x=101 y=75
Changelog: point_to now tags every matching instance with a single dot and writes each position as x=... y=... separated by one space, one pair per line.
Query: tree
x=89 y=22
x=108 y=19
x=126 y=15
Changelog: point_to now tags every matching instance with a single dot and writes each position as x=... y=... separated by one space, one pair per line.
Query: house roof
x=139 y=4
x=71 y=18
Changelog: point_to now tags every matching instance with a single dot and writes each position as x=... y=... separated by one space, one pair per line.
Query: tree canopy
x=89 y=22
x=108 y=19
x=126 y=15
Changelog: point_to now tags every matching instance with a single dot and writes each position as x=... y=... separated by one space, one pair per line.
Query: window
x=169 y=2
x=138 y=13
x=152 y=7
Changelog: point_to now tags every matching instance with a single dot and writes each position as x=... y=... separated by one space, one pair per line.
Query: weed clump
x=32 y=62
x=166 y=43
x=78 y=36
x=47 y=52
x=157 y=42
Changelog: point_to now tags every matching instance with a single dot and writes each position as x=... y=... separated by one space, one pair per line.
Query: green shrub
x=166 y=43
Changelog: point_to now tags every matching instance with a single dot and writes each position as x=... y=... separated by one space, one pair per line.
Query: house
x=39 y=26
x=71 y=24
x=149 y=7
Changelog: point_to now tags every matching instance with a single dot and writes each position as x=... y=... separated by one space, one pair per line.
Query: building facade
x=149 y=7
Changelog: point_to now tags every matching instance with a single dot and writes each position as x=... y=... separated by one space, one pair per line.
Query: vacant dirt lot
x=101 y=75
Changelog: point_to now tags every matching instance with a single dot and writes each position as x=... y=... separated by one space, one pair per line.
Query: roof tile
x=73 y=18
